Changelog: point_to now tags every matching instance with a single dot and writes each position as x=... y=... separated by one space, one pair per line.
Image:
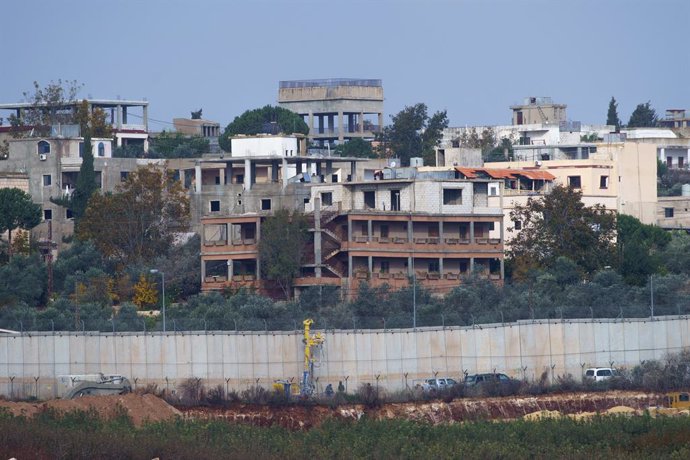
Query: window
x=306 y=201
x=217 y=180
x=385 y=266
x=47 y=180
x=124 y=175
x=603 y=181
x=668 y=212
x=680 y=162
x=101 y=149
x=434 y=266
x=395 y=200
x=326 y=198
x=239 y=179
x=43 y=147
x=493 y=190
x=68 y=213
x=492 y=226
x=47 y=214
x=452 y=196
x=370 y=200
x=518 y=224
x=574 y=182
x=334 y=178
x=266 y=204
x=384 y=231
x=215 y=205
x=81 y=150
x=455 y=143
x=669 y=162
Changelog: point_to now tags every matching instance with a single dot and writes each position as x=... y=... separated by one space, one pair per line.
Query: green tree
x=177 y=145
x=139 y=221
x=644 y=116
x=413 y=133
x=559 y=224
x=640 y=248
x=85 y=186
x=355 y=147
x=612 y=115
x=23 y=280
x=265 y=119
x=17 y=211
x=281 y=247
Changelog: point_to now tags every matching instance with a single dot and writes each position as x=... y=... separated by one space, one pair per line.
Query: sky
x=473 y=58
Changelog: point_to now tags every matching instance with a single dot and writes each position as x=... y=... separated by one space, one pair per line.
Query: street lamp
x=154 y=270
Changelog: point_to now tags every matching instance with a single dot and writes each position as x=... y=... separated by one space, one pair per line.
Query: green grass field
x=80 y=435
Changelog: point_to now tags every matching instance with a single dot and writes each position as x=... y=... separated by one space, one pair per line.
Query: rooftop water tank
x=416 y=162
x=685 y=190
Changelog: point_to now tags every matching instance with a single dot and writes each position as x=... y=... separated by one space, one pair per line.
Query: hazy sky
x=473 y=58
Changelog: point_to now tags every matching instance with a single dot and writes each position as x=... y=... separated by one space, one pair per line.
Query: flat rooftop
x=96 y=102
x=329 y=83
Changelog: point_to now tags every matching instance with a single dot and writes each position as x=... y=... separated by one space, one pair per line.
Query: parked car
x=599 y=374
x=436 y=384
x=480 y=379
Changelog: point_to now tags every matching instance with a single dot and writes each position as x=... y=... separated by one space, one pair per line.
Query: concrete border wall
x=30 y=362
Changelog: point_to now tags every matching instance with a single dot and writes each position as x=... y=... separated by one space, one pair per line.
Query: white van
x=599 y=374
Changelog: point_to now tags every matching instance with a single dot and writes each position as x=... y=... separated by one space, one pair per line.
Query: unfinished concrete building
x=538 y=110
x=336 y=109
x=425 y=223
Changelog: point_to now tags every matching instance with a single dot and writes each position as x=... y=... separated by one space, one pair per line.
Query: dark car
x=492 y=384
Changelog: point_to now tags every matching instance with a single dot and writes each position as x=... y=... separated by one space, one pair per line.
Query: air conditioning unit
x=43 y=157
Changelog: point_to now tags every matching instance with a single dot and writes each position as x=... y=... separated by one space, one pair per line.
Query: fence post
x=443 y=321
x=36 y=381
x=52 y=326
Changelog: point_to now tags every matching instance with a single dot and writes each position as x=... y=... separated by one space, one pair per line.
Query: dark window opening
x=370 y=200
x=604 y=182
x=124 y=175
x=518 y=224
x=215 y=205
x=68 y=214
x=574 y=182
x=384 y=231
x=326 y=198
x=434 y=266
x=217 y=180
x=47 y=214
x=101 y=149
x=385 y=266
x=47 y=180
x=43 y=147
x=239 y=179
x=266 y=204
x=492 y=226
x=452 y=196
x=395 y=200
x=668 y=212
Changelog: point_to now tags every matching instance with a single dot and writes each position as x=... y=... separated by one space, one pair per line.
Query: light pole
x=154 y=270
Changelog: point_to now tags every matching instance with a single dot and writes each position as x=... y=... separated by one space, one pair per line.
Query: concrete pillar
x=228 y=173
x=370 y=225
x=471 y=265
x=119 y=117
x=230 y=270
x=410 y=232
x=146 y=118
x=203 y=271
x=284 y=169
x=360 y=124
x=317 y=237
x=353 y=171
x=221 y=173
x=472 y=232
x=662 y=154
x=370 y=262
x=579 y=153
x=502 y=269
x=410 y=266
x=349 y=229
x=274 y=171
x=441 y=238
x=341 y=134
x=310 y=122
x=349 y=266
x=258 y=268
x=440 y=266
x=329 y=170
x=502 y=230
x=197 y=178
x=247 y=174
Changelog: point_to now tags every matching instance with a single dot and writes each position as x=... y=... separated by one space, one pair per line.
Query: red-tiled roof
x=497 y=173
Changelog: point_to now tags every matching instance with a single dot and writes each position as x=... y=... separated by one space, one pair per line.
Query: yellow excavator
x=306 y=387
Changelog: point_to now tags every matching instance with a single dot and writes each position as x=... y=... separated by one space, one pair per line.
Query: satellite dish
x=392 y=164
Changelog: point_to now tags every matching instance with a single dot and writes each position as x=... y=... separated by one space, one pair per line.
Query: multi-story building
x=425 y=223
x=126 y=132
x=335 y=109
x=535 y=110
x=207 y=129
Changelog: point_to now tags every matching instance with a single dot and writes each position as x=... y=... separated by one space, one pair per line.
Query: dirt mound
x=139 y=407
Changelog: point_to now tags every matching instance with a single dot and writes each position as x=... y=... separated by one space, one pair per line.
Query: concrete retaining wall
x=29 y=363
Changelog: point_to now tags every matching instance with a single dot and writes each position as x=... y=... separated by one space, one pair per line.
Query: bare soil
x=147 y=407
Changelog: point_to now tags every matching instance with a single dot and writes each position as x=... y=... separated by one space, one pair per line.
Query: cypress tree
x=612 y=116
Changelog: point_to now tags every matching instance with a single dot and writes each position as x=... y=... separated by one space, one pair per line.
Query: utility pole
x=49 y=258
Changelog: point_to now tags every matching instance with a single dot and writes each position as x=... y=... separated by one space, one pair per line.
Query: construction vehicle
x=311 y=345
x=677 y=400
x=78 y=385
